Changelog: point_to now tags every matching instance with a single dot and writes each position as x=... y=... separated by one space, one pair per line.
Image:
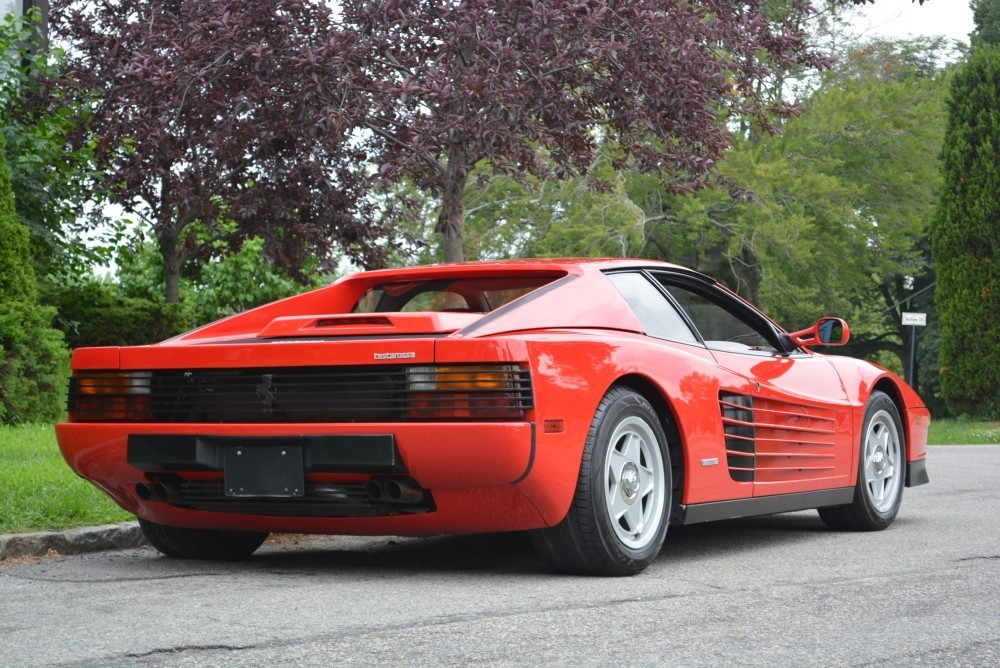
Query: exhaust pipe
x=394 y=490
x=373 y=488
x=403 y=491
x=164 y=493
x=142 y=491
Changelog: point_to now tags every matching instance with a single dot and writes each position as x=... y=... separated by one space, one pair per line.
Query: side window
x=654 y=311
x=720 y=328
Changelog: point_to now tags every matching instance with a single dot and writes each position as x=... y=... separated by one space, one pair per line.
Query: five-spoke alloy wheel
x=618 y=519
x=882 y=462
x=881 y=471
x=634 y=482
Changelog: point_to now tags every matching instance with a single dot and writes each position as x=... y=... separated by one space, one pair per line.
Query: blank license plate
x=264 y=470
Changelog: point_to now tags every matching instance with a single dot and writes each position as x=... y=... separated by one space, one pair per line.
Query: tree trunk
x=169 y=234
x=451 y=221
x=171 y=266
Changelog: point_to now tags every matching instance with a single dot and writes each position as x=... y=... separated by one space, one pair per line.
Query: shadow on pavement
x=497 y=554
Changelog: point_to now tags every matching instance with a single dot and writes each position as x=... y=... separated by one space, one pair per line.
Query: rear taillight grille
x=312 y=394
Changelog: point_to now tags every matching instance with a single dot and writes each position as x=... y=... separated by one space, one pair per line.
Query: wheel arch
x=668 y=420
x=861 y=378
x=887 y=386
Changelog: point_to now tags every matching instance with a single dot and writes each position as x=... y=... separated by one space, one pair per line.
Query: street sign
x=915 y=319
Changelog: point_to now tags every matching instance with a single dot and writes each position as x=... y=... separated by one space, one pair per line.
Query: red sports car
x=593 y=402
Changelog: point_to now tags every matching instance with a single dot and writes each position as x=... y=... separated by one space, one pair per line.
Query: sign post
x=914 y=320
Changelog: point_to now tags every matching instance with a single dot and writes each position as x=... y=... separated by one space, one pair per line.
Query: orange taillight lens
x=110 y=396
x=472 y=392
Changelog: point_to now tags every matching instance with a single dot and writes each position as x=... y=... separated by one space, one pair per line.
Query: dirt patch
x=20 y=561
x=293 y=538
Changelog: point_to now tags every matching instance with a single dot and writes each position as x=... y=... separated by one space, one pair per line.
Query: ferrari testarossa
x=593 y=402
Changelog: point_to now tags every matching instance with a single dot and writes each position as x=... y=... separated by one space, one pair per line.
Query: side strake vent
x=738 y=425
x=769 y=440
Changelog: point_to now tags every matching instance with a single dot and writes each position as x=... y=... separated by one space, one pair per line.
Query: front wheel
x=618 y=520
x=202 y=543
x=881 y=470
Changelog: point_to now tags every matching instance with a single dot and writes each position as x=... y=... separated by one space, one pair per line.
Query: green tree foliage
x=229 y=279
x=546 y=218
x=881 y=118
x=505 y=217
x=986 y=15
x=52 y=179
x=17 y=281
x=966 y=234
x=32 y=354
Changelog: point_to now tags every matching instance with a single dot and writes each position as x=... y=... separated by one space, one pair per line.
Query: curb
x=72 y=541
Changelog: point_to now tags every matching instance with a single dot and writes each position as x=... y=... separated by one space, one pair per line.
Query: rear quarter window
x=657 y=315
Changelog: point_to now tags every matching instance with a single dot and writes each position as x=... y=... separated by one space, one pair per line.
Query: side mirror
x=826 y=332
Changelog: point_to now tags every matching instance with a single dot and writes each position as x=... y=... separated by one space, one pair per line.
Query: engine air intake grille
x=769 y=440
x=738 y=425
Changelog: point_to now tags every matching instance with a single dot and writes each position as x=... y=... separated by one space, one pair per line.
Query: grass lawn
x=39 y=492
x=962 y=431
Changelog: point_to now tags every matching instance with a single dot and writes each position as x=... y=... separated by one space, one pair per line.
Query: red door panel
x=792 y=433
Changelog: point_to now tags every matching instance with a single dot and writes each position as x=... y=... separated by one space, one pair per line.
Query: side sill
x=916 y=473
x=764 y=505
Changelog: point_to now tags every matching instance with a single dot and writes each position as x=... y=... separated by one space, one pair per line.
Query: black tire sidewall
x=618 y=406
x=182 y=543
x=879 y=401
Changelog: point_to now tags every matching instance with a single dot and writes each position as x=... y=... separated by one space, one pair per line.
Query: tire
x=881 y=471
x=202 y=543
x=620 y=512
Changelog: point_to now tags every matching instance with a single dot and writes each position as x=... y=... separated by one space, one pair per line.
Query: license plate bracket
x=264 y=471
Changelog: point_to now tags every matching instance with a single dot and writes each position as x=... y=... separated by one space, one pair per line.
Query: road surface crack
x=186 y=648
x=144 y=578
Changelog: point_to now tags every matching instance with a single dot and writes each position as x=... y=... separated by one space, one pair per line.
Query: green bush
x=965 y=234
x=33 y=361
x=97 y=313
x=17 y=279
x=32 y=353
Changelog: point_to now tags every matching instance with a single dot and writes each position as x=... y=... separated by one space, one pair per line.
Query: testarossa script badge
x=395 y=356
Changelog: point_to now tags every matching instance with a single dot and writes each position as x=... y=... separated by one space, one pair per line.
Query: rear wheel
x=202 y=543
x=618 y=520
x=881 y=470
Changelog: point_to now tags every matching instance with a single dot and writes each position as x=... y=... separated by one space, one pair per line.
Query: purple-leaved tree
x=204 y=110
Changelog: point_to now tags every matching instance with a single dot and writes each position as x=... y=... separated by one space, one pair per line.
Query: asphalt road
x=771 y=591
